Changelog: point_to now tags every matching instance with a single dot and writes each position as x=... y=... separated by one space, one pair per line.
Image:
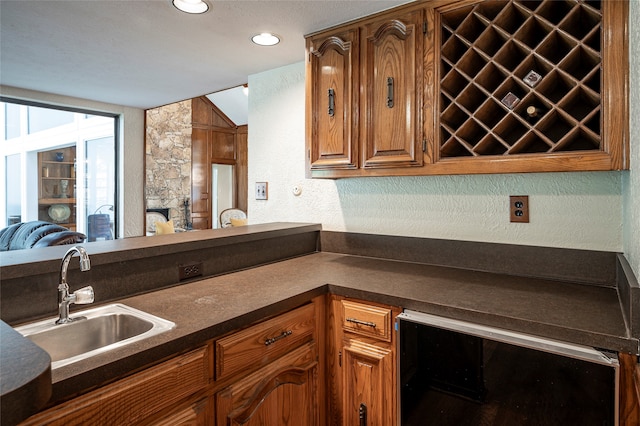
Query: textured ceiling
x=146 y=53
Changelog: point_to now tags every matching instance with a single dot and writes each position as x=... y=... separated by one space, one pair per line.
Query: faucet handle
x=84 y=295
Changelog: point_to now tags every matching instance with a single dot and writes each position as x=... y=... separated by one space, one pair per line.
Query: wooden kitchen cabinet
x=361 y=363
x=268 y=373
x=140 y=397
x=215 y=139
x=282 y=393
x=332 y=123
x=530 y=86
x=392 y=69
x=482 y=87
x=364 y=95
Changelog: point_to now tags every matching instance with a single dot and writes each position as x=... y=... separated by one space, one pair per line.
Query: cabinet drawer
x=262 y=343
x=367 y=320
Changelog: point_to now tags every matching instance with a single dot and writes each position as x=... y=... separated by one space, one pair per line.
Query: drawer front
x=262 y=343
x=366 y=320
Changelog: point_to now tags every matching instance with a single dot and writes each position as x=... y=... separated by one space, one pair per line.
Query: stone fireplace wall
x=168 y=159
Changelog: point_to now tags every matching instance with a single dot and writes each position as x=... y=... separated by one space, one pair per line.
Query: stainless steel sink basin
x=102 y=329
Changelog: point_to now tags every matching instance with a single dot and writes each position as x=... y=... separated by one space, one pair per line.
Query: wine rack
x=520 y=77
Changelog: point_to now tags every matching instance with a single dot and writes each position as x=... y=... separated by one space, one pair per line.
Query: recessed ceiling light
x=191 y=6
x=265 y=39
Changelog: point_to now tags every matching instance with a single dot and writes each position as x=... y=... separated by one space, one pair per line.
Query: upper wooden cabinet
x=457 y=87
x=392 y=91
x=333 y=67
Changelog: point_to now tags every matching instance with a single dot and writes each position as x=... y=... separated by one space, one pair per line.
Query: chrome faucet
x=79 y=297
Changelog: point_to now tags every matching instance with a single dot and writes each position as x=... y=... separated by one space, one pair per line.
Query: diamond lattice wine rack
x=520 y=77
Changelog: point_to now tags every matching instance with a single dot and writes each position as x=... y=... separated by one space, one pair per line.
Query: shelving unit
x=55 y=168
x=520 y=77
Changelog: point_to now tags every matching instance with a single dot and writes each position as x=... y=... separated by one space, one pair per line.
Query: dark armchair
x=34 y=234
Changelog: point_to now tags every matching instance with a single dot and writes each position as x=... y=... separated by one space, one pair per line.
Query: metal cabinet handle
x=275 y=339
x=332 y=102
x=389 y=92
x=366 y=323
x=362 y=414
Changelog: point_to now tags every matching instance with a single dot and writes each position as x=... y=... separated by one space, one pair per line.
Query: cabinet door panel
x=393 y=92
x=200 y=179
x=368 y=377
x=282 y=393
x=333 y=96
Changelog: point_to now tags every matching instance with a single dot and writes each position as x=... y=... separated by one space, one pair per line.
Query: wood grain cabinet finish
x=214 y=139
x=137 y=398
x=265 y=342
x=361 y=363
x=332 y=127
x=282 y=393
x=475 y=86
x=392 y=91
x=270 y=372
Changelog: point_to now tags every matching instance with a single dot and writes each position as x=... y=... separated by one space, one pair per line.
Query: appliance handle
x=571 y=350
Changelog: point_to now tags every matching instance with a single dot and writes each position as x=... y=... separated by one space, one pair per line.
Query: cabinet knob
x=389 y=92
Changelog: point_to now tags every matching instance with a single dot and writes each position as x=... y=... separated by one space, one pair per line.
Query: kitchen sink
x=96 y=331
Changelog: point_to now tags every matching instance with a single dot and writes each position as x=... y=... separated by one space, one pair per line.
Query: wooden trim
x=629 y=396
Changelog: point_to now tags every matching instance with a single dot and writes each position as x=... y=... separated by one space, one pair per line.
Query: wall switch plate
x=262 y=190
x=519 y=208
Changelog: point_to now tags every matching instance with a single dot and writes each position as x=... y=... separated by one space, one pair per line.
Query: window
x=60 y=167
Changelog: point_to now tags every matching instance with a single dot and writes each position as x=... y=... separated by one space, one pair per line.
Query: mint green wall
x=573 y=210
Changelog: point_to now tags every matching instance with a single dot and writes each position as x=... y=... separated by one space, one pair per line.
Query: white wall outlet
x=262 y=190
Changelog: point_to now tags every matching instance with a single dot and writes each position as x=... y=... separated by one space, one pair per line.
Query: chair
x=99 y=227
x=228 y=214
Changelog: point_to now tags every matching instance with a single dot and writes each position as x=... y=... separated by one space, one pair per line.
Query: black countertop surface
x=206 y=309
x=25 y=381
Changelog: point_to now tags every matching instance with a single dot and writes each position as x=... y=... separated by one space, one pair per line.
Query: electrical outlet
x=190 y=271
x=519 y=208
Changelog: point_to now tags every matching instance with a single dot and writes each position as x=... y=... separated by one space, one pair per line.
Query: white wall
x=131 y=155
x=631 y=183
x=572 y=210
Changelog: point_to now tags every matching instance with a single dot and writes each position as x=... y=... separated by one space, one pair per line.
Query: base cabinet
x=361 y=363
x=268 y=373
x=140 y=398
x=282 y=393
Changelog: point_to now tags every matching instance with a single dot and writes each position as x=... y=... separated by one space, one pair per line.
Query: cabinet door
x=392 y=91
x=200 y=179
x=282 y=393
x=332 y=94
x=369 y=377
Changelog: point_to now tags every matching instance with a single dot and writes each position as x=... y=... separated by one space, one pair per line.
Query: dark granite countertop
x=26 y=376
x=206 y=309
